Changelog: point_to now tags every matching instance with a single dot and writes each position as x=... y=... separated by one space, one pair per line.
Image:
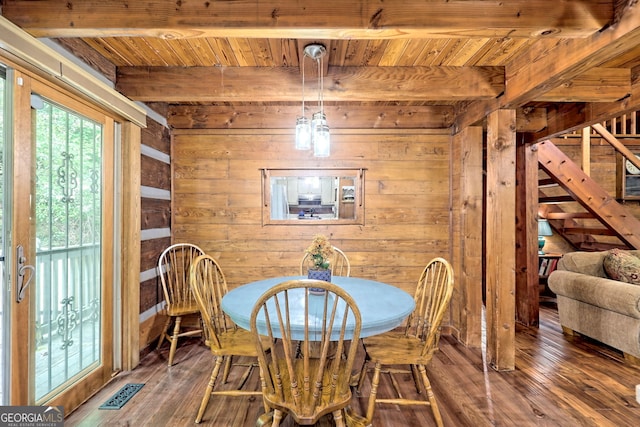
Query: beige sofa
x=593 y=305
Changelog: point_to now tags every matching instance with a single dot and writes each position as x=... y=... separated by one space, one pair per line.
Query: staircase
x=592 y=219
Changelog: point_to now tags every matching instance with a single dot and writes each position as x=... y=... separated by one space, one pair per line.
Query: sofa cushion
x=622 y=266
x=589 y=263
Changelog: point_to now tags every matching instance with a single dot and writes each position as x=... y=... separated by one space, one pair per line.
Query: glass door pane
x=67 y=287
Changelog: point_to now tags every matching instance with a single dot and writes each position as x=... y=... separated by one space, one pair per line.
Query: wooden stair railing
x=589 y=195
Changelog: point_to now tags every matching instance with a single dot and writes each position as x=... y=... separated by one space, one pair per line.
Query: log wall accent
x=155 y=222
x=217 y=201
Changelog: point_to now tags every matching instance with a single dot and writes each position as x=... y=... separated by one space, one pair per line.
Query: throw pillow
x=622 y=266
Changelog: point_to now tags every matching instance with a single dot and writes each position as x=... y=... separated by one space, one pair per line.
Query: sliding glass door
x=60 y=242
x=4 y=290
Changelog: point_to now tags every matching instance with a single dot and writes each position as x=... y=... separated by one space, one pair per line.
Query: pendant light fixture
x=316 y=132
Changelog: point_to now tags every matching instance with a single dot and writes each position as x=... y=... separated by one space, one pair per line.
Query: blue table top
x=382 y=307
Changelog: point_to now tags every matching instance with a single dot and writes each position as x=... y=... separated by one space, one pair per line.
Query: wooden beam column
x=500 y=237
x=130 y=249
x=466 y=305
x=527 y=281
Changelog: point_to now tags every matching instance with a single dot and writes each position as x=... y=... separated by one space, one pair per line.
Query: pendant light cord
x=320 y=85
x=303 y=56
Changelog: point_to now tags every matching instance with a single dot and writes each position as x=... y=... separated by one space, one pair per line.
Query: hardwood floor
x=558 y=381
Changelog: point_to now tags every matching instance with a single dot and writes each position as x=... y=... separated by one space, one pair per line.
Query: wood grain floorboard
x=558 y=381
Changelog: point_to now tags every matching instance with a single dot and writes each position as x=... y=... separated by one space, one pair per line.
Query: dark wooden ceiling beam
x=594 y=85
x=284 y=117
x=338 y=116
x=267 y=84
x=327 y=19
x=569 y=117
x=250 y=84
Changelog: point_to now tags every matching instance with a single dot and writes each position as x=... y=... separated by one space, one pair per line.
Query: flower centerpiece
x=319 y=255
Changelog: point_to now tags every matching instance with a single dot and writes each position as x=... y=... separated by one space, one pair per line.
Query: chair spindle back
x=432 y=297
x=306 y=370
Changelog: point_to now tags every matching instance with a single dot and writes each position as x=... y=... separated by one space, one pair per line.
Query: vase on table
x=316 y=274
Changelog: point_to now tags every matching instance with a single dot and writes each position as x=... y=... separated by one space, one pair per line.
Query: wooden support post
x=466 y=158
x=130 y=250
x=527 y=282
x=500 y=237
x=586 y=150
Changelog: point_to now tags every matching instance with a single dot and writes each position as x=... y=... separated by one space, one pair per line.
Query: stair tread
x=589 y=230
x=555 y=199
x=547 y=182
x=570 y=215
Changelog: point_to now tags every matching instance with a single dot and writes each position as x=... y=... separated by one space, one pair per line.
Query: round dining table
x=382 y=307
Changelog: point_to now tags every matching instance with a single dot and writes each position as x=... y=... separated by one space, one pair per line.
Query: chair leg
x=416 y=381
x=338 y=419
x=174 y=339
x=164 y=332
x=363 y=373
x=374 y=390
x=263 y=387
x=207 y=393
x=227 y=369
x=277 y=416
x=265 y=419
x=430 y=395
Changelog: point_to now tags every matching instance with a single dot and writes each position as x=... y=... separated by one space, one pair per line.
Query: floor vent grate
x=121 y=397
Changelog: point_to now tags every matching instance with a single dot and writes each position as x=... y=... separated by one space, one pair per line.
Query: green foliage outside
x=68 y=179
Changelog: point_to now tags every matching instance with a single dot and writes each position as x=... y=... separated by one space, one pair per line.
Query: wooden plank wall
x=216 y=201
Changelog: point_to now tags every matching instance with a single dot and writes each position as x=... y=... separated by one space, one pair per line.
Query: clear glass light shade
x=320 y=135
x=303 y=134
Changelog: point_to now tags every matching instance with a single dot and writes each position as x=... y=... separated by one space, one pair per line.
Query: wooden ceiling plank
x=103 y=47
x=339 y=19
x=432 y=51
x=241 y=47
x=243 y=84
x=393 y=53
x=261 y=52
x=203 y=55
x=279 y=53
x=464 y=54
x=224 y=51
x=502 y=51
x=374 y=52
x=147 y=52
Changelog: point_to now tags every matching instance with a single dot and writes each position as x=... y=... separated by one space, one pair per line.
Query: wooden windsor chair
x=173 y=269
x=222 y=336
x=316 y=382
x=417 y=344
